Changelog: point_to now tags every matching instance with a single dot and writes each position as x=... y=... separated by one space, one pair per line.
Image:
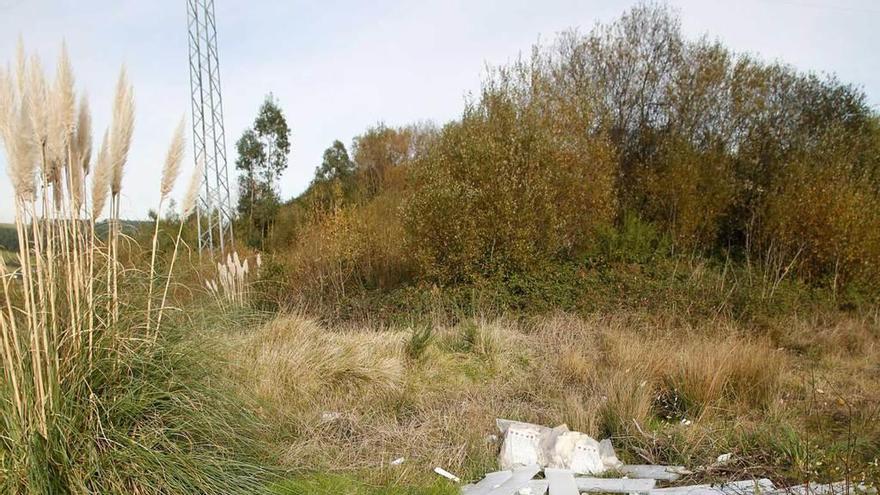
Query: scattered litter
x=487 y=484
x=562 y=455
x=329 y=416
x=446 y=474
x=398 y=461
x=518 y=480
x=650 y=471
x=525 y=444
x=614 y=485
x=733 y=488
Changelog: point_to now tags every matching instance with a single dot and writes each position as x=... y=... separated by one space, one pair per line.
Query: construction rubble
x=538 y=460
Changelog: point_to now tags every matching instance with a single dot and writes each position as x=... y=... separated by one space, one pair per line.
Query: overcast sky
x=337 y=67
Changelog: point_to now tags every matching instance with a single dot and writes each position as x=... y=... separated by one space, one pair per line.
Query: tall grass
x=93 y=398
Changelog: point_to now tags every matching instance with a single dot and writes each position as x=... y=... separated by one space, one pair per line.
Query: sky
x=338 y=67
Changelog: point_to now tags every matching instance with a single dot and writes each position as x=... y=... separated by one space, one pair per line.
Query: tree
x=262 y=158
x=336 y=164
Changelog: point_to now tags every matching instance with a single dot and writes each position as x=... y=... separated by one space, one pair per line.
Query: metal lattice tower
x=214 y=213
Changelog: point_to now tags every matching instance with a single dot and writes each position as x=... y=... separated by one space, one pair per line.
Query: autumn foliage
x=723 y=153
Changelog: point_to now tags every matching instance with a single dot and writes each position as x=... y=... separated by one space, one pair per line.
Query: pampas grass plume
x=192 y=192
x=102 y=177
x=173 y=160
x=122 y=129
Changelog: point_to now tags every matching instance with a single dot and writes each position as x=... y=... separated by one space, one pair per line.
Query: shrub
x=826 y=221
x=513 y=184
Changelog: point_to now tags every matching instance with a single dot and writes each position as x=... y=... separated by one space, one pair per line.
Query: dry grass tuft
x=295 y=361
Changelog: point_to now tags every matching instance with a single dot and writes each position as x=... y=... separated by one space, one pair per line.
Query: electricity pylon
x=214 y=214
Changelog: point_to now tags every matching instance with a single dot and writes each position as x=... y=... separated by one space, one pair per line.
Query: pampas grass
x=169 y=176
x=84 y=400
x=231 y=287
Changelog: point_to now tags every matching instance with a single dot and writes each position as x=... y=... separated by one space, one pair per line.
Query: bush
x=826 y=222
x=511 y=186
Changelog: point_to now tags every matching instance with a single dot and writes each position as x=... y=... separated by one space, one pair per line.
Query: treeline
x=8 y=238
x=721 y=152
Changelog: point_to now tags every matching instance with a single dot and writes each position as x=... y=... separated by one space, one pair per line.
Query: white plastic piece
x=538 y=487
x=744 y=487
x=398 y=461
x=614 y=485
x=650 y=471
x=329 y=416
x=608 y=456
x=518 y=480
x=561 y=482
x=724 y=458
x=446 y=474
x=487 y=484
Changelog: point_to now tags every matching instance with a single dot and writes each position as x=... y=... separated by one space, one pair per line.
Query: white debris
x=762 y=485
x=559 y=448
x=647 y=471
x=561 y=482
x=446 y=474
x=398 y=461
x=329 y=416
x=724 y=458
x=487 y=484
x=608 y=456
x=614 y=485
x=577 y=452
x=522 y=447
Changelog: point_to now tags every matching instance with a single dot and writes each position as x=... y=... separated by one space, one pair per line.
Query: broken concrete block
x=561 y=482
x=614 y=485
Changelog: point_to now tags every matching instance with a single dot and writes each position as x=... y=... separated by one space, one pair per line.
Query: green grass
x=331 y=484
